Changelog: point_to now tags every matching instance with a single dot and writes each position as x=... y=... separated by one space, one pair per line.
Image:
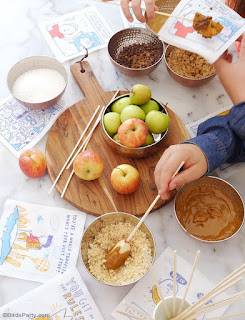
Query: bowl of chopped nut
x=135 y=51
x=102 y=234
x=188 y=68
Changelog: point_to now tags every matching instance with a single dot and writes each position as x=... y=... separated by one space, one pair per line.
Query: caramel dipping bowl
x=230 y=196
x=109 y=219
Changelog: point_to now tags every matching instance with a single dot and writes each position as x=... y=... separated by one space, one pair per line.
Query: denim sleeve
x=222 y=138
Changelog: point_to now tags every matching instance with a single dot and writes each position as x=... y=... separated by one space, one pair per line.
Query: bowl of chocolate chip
x=135 y=51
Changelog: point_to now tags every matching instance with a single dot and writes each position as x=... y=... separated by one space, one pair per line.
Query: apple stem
x=122 y=171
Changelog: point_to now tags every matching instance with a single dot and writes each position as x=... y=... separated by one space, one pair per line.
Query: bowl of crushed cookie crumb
x=188 y=68
x=101 y=236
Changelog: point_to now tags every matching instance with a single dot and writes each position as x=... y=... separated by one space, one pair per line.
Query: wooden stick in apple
x=121 y=251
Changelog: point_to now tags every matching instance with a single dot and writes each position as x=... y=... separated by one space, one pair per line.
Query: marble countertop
x=21 y=37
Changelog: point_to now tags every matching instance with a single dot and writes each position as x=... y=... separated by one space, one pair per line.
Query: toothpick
x=189 y=282
x=174 y=285
x=144 y=314
x=157 y=12
x=71 y=154
x=159 y=291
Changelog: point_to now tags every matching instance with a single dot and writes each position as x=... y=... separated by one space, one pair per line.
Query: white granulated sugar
x=38 y=85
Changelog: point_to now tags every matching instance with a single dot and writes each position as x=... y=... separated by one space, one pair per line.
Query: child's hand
x=195 y=167
x=136 y=4
x=232 y=75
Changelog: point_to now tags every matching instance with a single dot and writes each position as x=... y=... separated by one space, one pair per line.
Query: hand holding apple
x=125 y=179
x=32 y=163
x=88 y=165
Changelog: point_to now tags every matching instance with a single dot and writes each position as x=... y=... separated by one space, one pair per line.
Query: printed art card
x=144 y=294
x=64 y=297
x=69 y=34
x=180 y=33
x=38 y=242
x=21 y=128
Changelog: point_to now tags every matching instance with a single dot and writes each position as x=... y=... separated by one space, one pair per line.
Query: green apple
x=156 y=121
x=116 y=138
x=132 y=111
x=149 y=106
x=112 y=122
x=149 y=140
x=139 y=94
x=120 y=104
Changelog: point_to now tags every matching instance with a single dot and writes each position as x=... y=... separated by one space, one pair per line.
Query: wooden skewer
x=68 y=159
x=216 y=288
x=144 y=314
x=84 y=145
x=128 y=314
x=227 y=316
x=79 y=150
x=174 y=285
x=189 y=282
x=195 y=308
x=150 y=208
x=157 y=12
x=220 y=304
x=159 y=291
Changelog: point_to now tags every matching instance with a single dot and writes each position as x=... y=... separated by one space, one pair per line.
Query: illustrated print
x=228 y=31
x=33 y=242
x=87 y=40
x=14 y=253
x=19 y=126
x=182 y=31
x=167 y=286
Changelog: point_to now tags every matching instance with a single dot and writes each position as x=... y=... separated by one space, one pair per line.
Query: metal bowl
x=104 y=220
x=127 y=37
x=218 y=183
x=184 y=81
x=31 y=63
x=139 y=152
x=165 y=6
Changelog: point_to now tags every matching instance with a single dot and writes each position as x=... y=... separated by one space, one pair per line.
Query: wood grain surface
x=98 y=197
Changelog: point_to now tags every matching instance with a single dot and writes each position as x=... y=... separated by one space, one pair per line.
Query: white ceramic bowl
x=159 y=313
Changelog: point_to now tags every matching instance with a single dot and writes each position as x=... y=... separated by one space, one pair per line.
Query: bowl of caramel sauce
x=209 y=209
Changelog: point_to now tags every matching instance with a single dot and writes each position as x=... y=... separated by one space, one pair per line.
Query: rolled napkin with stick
x=121 y=251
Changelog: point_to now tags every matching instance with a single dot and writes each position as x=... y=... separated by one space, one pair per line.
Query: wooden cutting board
x=98 y=197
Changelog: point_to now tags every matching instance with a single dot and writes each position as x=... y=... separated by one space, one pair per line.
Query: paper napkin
x=38 y=242
x=69 y=34
x=180 y=33
x=144 y=295
x=21 y=128
x=65 y=297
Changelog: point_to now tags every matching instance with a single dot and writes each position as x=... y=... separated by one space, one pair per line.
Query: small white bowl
x=159 y=313
x=31 y=63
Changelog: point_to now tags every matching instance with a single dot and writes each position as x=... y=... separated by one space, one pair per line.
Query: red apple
x=125 y=179
x=32 y=163
x=132 y=133
x=88 y=165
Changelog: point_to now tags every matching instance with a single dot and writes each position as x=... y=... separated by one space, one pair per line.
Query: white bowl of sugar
x=37 y=82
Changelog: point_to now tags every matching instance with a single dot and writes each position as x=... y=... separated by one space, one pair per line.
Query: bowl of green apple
x=135 y=124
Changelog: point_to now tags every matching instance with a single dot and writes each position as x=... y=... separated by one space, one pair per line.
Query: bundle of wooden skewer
x=77 y=149
x=203 y=306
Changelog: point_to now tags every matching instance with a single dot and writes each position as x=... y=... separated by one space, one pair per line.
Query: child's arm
x=220 y=139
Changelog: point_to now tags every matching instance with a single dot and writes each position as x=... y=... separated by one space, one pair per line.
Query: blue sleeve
x=222 y=138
